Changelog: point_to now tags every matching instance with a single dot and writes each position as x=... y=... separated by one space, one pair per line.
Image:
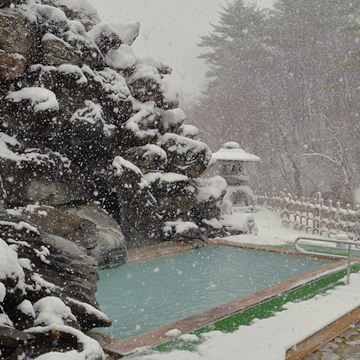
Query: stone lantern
x=231 y=160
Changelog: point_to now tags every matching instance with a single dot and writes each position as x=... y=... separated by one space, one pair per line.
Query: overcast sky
x=169 y=31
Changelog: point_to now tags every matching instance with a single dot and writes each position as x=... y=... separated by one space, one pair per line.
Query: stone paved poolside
x=344 y=347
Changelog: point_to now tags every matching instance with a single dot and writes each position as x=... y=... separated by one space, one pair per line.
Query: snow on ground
x=271 y=338
x=270 y=229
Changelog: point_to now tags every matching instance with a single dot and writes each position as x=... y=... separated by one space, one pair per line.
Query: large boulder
x=32 y=110
x=58 y=222
x=84 y=46
x=111 y=90
x=53 y=20
x=47 y=265
x=139 y=218
x=172 y=119
x=110 y=249
x=11 y=66
x=210 y=191
x=188 y=131
x=11 y=338
x=86 y=135
x=80 y=11
x=147 y=158
x=175 y=193
x=88 y=226
x=58 y=52
x=50 y=19
x=110 y=36
x=185 y=156
x=142 y=127
x=18 y=33
x=32 y=176
x=122 y=60
x=145 y=84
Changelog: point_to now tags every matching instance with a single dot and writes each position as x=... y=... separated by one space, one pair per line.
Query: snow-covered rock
x=110 y=248
x=206 y=212
x=211 y=189
x=50 y=310
x=18 y=32
x=110 y=36
x=146 y=84
x=79 y=10
x=138 y=209
x=185 y=156
x=12 y=275
x=175 y=193
x=11 y=339
x=213 y=228
x=58 y=52
x=189 y=131
x=11 y=66
x=240 y=223
x=122 y=60
x=141 y=128
x=39 y=99
x=149 y=157
x=172 y=119
x=95 y=157
x=183 y=231
x=46 y=282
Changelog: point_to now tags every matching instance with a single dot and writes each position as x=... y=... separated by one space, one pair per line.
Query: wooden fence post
x=330 y=221
x=338 y=217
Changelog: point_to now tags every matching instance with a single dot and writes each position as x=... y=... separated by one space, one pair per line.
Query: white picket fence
x=313 y=216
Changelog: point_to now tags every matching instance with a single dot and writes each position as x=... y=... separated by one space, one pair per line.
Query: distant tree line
x=285 y=84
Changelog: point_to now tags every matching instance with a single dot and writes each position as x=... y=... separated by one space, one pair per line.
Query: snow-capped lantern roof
x=231 y=152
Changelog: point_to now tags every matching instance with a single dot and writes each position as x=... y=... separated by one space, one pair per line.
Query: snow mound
x=211 y=188
x=173 y=333
x=41 y=99
x=127 y=33
x=10 y=268
x=51 y=310
x=122 y=58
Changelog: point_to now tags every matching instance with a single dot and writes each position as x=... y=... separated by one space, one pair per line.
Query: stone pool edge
x=157 y=250
x=323 y=336
x=172 y=247
x=123 y=347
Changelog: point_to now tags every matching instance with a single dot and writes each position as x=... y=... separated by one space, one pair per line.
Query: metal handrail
x=338 y=241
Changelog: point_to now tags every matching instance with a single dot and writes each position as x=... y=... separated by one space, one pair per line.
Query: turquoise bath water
x=142 y=296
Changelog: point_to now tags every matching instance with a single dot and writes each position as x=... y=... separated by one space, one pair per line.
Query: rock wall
x=47 y=288
x=82 y=119
x=95 y=157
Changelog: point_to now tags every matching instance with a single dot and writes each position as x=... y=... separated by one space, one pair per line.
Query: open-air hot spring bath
x=145 y=295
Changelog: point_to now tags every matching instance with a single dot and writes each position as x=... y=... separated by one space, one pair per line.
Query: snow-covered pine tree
x=283 y=84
